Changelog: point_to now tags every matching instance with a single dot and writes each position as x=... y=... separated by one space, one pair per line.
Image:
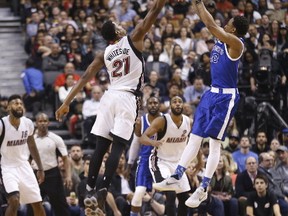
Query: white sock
x=213 y=158
x=191 y=150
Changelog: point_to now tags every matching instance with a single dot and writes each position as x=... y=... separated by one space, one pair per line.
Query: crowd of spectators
x=62 y=38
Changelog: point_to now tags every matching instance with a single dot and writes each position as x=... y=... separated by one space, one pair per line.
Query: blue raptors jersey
x=145 y=150
x=224 y=69
x=143 y=175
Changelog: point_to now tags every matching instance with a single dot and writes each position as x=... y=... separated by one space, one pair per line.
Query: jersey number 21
x=118 y=64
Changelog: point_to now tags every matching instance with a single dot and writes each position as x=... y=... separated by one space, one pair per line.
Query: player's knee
x=138 y=196
x=13 y=200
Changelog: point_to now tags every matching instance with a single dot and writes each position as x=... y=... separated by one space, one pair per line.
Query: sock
x=205 y=183
x=179 y=172
x=133 y=213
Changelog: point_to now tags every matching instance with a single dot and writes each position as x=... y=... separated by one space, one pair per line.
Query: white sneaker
x=196 y=198
x=168 y=184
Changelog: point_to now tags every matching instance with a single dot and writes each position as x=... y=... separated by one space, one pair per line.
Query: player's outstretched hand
x=63 y=110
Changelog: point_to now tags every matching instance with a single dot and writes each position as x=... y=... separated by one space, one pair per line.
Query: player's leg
x=224 y=107
x=38 y=209
x=102 y=146
x=136 y=202
x=13 y=204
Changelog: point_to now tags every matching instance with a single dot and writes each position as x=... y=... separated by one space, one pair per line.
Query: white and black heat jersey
x=125 y=65
x=174 y=139
x=14 y=148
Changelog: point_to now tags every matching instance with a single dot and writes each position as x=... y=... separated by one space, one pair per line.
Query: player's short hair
x=241 y=24
x=108 y=31
x=13 y=97
x=153 y=96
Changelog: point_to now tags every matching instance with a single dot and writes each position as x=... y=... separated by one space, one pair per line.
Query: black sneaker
x=95 y=201
x=90 y=203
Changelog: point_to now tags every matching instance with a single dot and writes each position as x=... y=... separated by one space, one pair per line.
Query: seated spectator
x=193 y=93
x=176 y=79
x=266 y=165
x=262 y=201
x=148 y=47
x=55 y=61
x=177 y=57
x=277 y=13
x=154 y=82
x=162 y=68
x=64 y=90
x=90 y=109
x=87 y=54
x=245 y=183
x=34 y=87
x=121 y=189
x=82 y=189
x=173 y=90
x=190 y=65
x=280 y=169
x=222 y=188
x=74 y=176
x=74 y=54
x=203 y=70
x=184 y=40
x=36 y=47
x=212 y=205
x=201 y=46
x=74 y=117
x=61 y=78
x=32 y=26
x=233 y=144
x=76 y=155
x=274 y=144
x=163 y=57
x=240 y=156
x=188 y=111
x=261 y=144
x=153 y=204
x=125 y=12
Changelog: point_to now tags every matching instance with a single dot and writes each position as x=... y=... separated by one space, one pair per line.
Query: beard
x=153 y=112
x=17 y=114
x=177 y=113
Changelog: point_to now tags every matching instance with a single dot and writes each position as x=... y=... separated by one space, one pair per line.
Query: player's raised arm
x=92 y=69
x=228 y=35
x=156 y=126
x=143 y=27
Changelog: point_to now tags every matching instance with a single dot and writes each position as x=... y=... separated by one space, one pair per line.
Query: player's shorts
x=143 y=175
x=117 y=114
x=214 y=112
x=162 y=169
x=23 y=180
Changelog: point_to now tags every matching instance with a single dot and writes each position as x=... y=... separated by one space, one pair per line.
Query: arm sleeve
x=134 y=149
